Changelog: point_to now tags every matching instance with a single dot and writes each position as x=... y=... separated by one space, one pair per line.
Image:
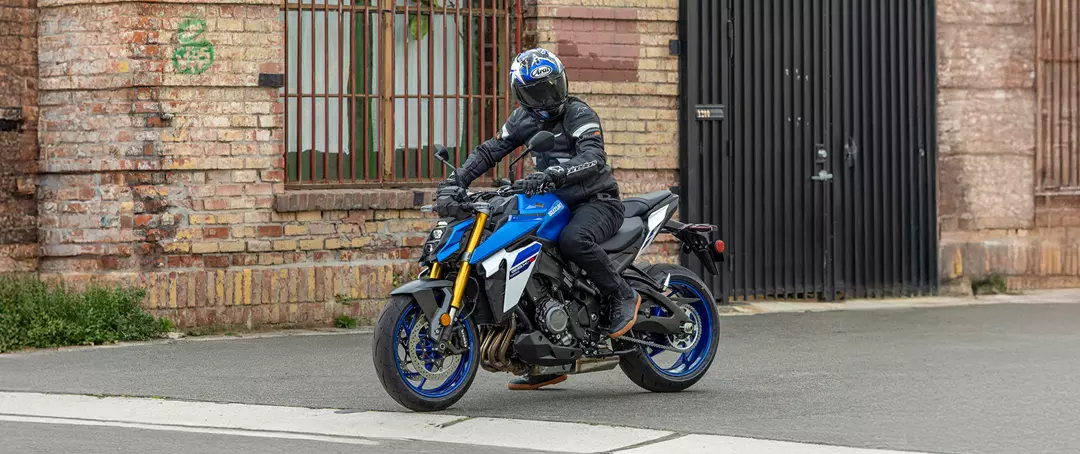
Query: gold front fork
x=436 y=270
x=463 y=273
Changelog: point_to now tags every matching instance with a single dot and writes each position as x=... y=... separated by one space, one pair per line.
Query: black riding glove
x=533 y=184
x=450 y=188
x=557 y=175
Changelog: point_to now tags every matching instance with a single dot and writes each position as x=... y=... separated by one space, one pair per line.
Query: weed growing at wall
x=36 y=314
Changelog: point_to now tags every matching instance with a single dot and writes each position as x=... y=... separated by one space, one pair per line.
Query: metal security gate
x=808 y=135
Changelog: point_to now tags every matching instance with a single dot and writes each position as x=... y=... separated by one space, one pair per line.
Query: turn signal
x=444 y=320
x=719 y=245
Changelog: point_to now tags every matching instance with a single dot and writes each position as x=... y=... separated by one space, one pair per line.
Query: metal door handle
x=822 y=175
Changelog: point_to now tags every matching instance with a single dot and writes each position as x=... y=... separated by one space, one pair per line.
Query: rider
x=578 y=170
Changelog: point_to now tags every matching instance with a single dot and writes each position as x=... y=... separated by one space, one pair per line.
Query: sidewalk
x=1063 y=296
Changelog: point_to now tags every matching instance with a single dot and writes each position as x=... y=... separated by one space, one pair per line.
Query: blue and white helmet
x=538 y=80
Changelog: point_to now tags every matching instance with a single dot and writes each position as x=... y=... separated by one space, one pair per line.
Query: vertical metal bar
x=744 y=31
x=922 y=182
x=445 y=84
x=788 y=176
x=314 y=131
x=703 y=134
x=405 y=96
x=930 y=123
x=419 y=94
x=285 y=127
x=504 y=50
x=457 y=90
x=353 y=95
x=890 y=189
x=517 y=49
x=483 y=72
x=774 y=79
x=326 y=93
x=494 y=77
x=808 y=212
x=1058 y=88
x=469 y=77
x=340 y=88
x=875 y=147
x=753 y=256
x=431 y=87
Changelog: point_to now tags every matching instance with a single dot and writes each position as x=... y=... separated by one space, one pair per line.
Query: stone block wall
x=18 y=136
x=993 y=221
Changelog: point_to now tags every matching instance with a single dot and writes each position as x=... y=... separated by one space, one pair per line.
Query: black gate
x=808 y=135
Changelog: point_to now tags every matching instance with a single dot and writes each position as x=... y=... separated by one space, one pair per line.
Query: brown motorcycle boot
x=624 y=314
x=534 y=382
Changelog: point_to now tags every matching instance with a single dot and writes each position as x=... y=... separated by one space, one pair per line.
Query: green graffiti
x=195 y=54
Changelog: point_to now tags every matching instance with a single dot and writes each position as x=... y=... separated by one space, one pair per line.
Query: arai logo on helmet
x=540 y=72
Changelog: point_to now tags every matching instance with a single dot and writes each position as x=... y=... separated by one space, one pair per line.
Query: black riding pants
x=594 y=222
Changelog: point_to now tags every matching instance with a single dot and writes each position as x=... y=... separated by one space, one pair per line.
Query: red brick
x=271 y=231
x=215 y=232
x=216 y=261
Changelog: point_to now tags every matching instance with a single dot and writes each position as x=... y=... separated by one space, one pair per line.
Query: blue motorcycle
x=495 y=293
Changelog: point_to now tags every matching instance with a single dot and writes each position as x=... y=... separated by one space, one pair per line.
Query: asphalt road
x=967 y=379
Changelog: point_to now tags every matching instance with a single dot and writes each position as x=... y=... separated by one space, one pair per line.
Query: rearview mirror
x=542 y=142
x=443 y=155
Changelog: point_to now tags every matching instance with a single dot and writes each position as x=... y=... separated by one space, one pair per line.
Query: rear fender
x=424 y=291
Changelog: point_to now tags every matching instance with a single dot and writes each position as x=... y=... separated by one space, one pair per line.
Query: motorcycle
x=496 y=294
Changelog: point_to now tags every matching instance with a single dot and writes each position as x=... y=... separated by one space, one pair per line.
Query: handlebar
x=475 y=203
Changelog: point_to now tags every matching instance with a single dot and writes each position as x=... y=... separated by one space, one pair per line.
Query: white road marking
x=202 y=430
x=691 y=444
x=361 y=427
x=508 y=433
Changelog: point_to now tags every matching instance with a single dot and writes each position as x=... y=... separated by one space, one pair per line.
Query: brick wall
x=617 y=58
x=161 y=166
x=18 y=135
x=992 y=221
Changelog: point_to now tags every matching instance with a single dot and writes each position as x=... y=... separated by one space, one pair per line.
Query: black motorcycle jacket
x=579 y=148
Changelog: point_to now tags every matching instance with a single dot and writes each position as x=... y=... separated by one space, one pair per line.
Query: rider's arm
x=584 y=127
x=487 y=154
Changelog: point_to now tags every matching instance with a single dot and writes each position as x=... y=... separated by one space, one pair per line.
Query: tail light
x=719 y=246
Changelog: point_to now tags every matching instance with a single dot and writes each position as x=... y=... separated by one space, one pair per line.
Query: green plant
x=993 y=284
x=36 y=314
x=344 y=321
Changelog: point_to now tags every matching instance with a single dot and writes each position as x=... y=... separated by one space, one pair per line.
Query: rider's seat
x=638 y=206
x=632 y=229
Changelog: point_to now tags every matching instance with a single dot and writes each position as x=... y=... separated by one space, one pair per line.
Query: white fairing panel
x=655 y=222
x=520 y=264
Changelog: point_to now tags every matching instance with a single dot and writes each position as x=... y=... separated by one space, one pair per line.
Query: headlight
x=437 y=234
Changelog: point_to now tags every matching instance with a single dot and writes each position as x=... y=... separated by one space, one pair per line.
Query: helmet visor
x=548 y=93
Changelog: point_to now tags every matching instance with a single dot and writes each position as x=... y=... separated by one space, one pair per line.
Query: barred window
x=1057 y=167
x=372 y=87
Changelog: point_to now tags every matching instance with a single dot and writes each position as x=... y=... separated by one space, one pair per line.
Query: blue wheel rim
x=408 y=321
x=691 y=361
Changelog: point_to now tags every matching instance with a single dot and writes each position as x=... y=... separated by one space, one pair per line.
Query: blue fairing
x=544 y=214
x=453 y=243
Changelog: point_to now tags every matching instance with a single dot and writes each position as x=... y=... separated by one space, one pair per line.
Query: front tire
x=405 y=360
x=642 y=366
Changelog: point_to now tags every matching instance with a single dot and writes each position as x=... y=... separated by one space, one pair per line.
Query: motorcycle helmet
x=538 y=80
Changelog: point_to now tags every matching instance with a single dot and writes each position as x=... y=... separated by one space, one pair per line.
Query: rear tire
x=643 y=371
x=392 y=369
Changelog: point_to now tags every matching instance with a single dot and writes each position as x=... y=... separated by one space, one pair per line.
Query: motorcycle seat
x=632 y=229
x=638 y=206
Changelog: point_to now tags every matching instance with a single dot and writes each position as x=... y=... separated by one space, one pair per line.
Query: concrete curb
x=1065 y=296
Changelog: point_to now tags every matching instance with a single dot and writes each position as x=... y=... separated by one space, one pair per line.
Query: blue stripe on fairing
x=527 y=254
x=453 y=242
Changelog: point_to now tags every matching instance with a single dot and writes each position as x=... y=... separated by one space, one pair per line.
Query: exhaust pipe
x=587 y=365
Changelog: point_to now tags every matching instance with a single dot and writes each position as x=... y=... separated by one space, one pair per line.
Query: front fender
x=423 y=291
